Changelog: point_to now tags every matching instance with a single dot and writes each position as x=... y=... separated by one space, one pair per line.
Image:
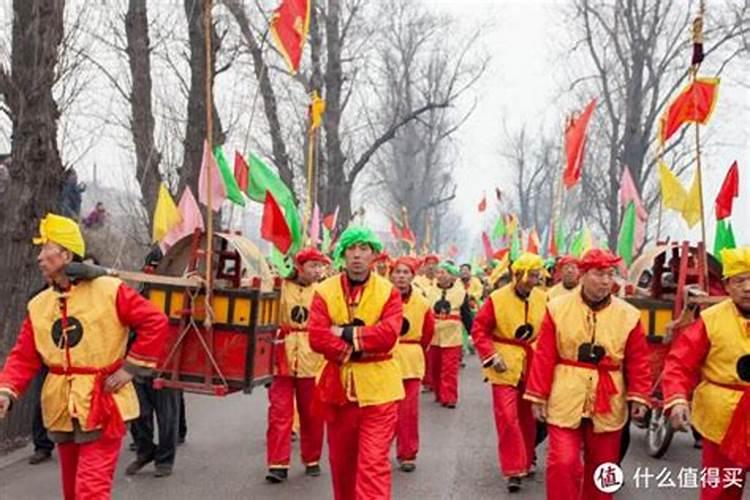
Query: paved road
x=224 y=458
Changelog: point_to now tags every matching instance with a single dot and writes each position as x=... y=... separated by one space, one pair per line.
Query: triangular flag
x=166 y=215
x=281 y=263
x=512 y=224
x=673 y=194
x=553 y=250
x=396 y=231
x=325 y=246
x=691 y=212
x=533 y=245
x=241 y=171
x=273 y=225
x=218 y=191
x=289 y=25
x=192 y=219
x=329 y=221
x=483 y=204
x=724 y=238
x=487 y=246
x=626 y=238
x=693 y=105
x=730 y=189
x=499 y=230
x=515 y=246
x=315 y=225
x=575 y=145
x=628 y=193
x=561 y=239
x=230 y=184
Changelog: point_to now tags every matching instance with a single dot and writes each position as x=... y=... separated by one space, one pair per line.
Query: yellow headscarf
x=527 y=262
x=736 y=261
x=63 y=231
x=499 y=270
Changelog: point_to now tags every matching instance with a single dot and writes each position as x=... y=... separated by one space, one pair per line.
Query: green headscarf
x=355 y=235
x=450 y=268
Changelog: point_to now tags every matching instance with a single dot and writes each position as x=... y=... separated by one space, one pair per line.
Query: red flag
x=408 y=236
x=396 y=231
x=500 y=254
x=329 y=221
x=487 y=246
x=241 y=171
x=552 y=250
x=533 y=244
x=483 y=204
x=273 y=226
x=289 y=26
x=575 y=143
x=694 y=104
x=730 y=189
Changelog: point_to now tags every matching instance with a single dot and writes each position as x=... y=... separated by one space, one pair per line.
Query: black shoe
x=452 y=406
x=138 y=464
x=180 y=440
x=514 y=484
x=133 y=447
x=40 y=456
x=163 y=471
x=408 y=466
x=312 y=470
x=276 y=476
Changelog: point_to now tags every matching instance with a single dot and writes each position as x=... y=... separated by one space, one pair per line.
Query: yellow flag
x=673 y=195
x=691 y=212
x=166 y=215
x=317 y=109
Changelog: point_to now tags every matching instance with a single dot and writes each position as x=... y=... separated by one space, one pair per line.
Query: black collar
x=596 y=306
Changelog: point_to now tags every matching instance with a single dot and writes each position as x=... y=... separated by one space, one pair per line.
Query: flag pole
x=209 y=145
x=558 y=202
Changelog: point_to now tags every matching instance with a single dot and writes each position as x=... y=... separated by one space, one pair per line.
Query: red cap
x=567 y=259
x=597 y=258
x=310 y=254
x=430 y=257
x=410 y=262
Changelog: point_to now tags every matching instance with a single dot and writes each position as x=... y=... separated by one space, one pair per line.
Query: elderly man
x=503 y=333
x=716 y=351
x=452 y=309
x=417 y=330
x=569 y=277
x=88 y=395
x=355 y=321
x=295 y=368
x=591 y=359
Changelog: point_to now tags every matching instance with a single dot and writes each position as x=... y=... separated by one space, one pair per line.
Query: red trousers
x=567 y=479
x=359 y=441
x=445 y=364
x=407 y=431
x=516 y=430
x=714 y=459
x=428 y=362
x=88 y=469
x=281 y=418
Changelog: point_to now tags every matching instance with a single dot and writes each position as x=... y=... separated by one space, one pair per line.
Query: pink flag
x=191 y=220
x=315 y=225
x=218 y=190
x=487 y=244
x=628 y=193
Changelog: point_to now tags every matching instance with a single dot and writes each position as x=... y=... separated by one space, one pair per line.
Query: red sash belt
x=410 y=341
x=448 y=317
x=605 y=387
x=518 y=343
x=281 y=362
x=103 y=411
x=735 y=443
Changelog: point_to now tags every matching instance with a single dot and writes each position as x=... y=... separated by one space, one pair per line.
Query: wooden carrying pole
x=209 y=145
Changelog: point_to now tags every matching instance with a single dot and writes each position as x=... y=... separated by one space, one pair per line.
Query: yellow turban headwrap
x=736 y=261
x=63 y=231
x=527 y=262
x=499 y=270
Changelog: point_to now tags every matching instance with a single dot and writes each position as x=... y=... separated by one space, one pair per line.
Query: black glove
x=78 y=271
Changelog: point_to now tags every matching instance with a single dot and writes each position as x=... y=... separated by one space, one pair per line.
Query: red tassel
x=734 y=446
x=605 y=389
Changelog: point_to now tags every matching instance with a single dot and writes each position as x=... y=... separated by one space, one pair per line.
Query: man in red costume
x=503 y=332
x=416 y=333
x=569 y=277
x=355 y=321
x=88 y=395
x=591 y=359
x=295 y=368
x=716 y=351
x=452 y=309
x=424 y=282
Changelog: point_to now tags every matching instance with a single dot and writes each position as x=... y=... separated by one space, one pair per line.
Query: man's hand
x=4 y=405
x=337 y=330
x=499 y=364
x=539 y=410
x=117 y=380
x=679 y=417
x=638 y=411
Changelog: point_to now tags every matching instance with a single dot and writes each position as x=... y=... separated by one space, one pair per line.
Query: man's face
x=445 y=279
x=465 y=273
x=358 y=258
x=528 y=283
x=738 y=288
x=311 y=272
x=597 y=283
x=570 y=275
x=401 y=277
x=52 y=259
x=382 y=268
x=429 y=269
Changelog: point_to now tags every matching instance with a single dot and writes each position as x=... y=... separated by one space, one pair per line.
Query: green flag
x=234 y=194
x=499 y=230
x=325 y=246
x=281 y=264
x=515 y=246
x=626 y=239
x=261 y=179
x=724 y=238
x=560 y=239
x=576 y=246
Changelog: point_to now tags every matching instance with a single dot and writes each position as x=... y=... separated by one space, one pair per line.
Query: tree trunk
x=147 y=157
x=196 y=130
x=36 y=170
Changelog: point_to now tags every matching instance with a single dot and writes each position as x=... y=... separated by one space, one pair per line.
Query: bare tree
x=634 y=57
x=36 y=170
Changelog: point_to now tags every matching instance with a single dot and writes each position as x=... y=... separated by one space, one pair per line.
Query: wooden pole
x=209 y=142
